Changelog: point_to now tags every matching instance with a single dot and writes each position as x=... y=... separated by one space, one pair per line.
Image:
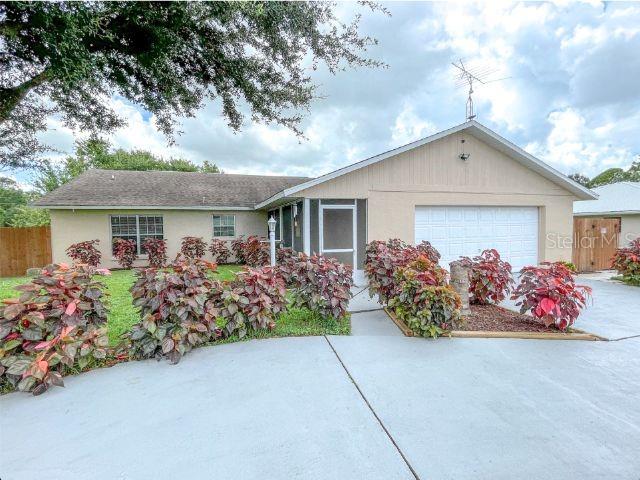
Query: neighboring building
x=464 y=189
x=615 y=201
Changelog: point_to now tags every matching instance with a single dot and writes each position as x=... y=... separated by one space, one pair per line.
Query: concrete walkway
x=361 y=301
x=375 y=323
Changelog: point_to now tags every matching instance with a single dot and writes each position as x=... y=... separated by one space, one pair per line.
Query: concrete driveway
x=369 y=406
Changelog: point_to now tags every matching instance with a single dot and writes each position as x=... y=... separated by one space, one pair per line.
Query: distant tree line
x=610 y=175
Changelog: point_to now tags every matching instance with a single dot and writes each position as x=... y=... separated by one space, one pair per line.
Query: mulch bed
x=498 y=319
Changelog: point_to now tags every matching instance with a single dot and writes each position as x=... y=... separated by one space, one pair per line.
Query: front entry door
x=338 y=232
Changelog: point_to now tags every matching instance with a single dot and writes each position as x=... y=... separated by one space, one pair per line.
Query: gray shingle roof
x=614 y=198
x=122 y=188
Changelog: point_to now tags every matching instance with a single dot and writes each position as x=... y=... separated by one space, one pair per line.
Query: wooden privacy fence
x=595 y=242
x=22 y=248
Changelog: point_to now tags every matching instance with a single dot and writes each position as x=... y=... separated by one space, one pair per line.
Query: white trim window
x=137 y=228
x=224 y=225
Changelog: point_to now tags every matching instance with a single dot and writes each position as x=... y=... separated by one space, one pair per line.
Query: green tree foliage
x=579 y=178
x=96 y=153
x=23 y=216
x=14 y=209
x=611 y=175
x=169 y=58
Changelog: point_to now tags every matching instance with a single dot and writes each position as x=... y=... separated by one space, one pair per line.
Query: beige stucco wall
x=434 y=175
x=69 y=226
x=629 y=229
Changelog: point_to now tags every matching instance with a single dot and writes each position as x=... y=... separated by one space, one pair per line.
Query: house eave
x=607 y=214
x=143 y=207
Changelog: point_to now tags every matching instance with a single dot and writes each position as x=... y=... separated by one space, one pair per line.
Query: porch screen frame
x=354 y=208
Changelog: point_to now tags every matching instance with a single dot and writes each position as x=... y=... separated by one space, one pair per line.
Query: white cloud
x=409 y=127
x=574 y=145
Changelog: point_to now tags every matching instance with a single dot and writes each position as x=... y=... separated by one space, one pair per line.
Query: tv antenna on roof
x=466 y=76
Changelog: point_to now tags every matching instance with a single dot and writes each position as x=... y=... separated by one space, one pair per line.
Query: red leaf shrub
x=550 y=293
x=383 y=258
x=318 y=283
x=85 y=253
x=173 y=312
x=284 y=254
x=253 y=251
x=125 y=252
x=627 y=262
x=156 y=249
x=58 y=323
x=193 y=247
x=220 y=251
x=425 y=248
x=252 y=300
x=424 y=301
x=237 y=247
x=490 y=279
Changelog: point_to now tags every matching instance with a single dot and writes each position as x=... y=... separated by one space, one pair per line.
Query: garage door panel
x=470 y=215
x=457 y=231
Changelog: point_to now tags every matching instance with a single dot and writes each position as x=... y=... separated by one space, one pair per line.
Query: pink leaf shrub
x=156 y=249
x=627 y=262
x=550 y=293
x=383 y=258
x=423 y=300
x=237 y=247
x=173 y=309
x=193 y=247
x=425 y=248
x=125 y=252
x=251 y=301
x=220 y=251
x=490 y=279
x=85 y=252
x=318 y=283
x=284 y=254
x=253 y=251
x=57 y=324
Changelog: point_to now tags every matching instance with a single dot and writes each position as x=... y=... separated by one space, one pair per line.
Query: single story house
x=617 y=201
x=463 y=189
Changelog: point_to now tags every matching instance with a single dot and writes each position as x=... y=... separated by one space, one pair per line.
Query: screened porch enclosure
x=336 y=228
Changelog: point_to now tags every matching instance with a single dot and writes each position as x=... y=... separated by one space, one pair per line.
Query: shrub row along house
x=464 y=189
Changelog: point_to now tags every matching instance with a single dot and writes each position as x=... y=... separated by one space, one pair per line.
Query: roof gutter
x=140 y=207
x=610 y=213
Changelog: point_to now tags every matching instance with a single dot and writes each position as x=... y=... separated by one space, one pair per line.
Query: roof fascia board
x=145 y=207
x=610 y=213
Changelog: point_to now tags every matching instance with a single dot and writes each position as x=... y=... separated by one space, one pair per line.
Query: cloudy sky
x=572 y=96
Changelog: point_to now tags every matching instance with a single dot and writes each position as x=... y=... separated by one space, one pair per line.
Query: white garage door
x=457 y=231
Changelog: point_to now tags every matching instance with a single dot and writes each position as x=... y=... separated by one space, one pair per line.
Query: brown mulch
x=498 y=319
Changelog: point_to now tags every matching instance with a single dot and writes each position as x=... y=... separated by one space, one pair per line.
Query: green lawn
x=122 y=315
